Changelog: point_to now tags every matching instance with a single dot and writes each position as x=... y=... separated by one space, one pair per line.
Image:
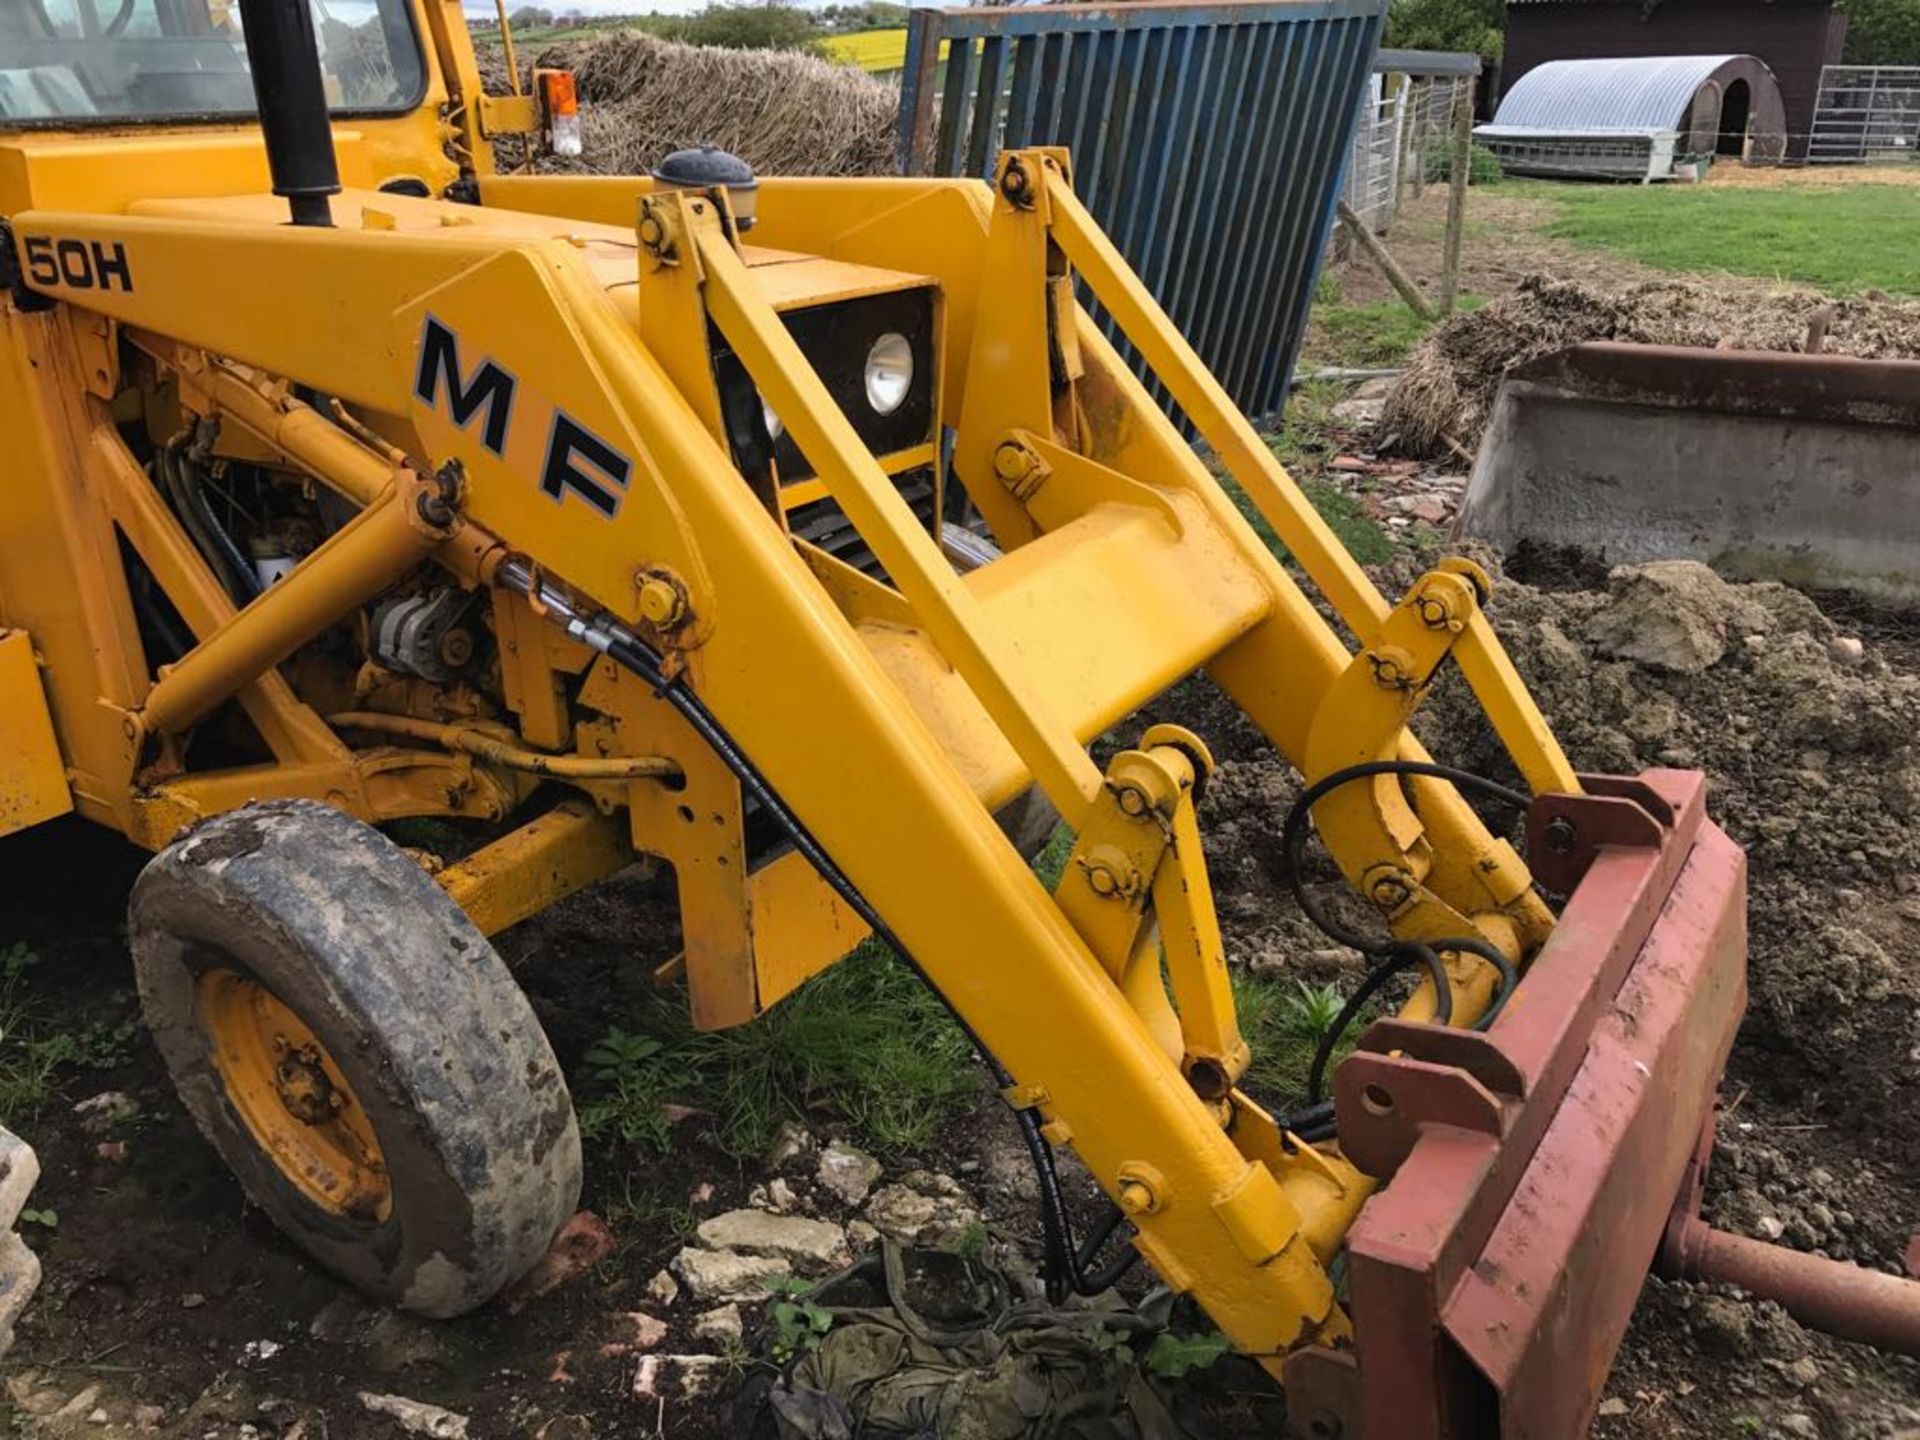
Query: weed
x=642 y=1212
x=799 y=1323
x=1282 y=1026
x=1117 y=1343
x=46 y=1218
x=32 y=1049
x=971 y=1242
x=628 y=1082
x=1311 y=1010
x=1173 y=1357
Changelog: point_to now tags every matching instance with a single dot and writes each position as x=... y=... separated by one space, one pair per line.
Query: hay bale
x=783 y=113
x=1453 y=375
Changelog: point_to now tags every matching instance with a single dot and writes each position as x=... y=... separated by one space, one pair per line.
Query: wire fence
x=1403 y=142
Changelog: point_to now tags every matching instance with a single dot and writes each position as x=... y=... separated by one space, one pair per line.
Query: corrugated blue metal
x=1210 y=140
x=1637 y=96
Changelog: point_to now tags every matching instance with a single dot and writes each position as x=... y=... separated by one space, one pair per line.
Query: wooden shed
x=1794 y=38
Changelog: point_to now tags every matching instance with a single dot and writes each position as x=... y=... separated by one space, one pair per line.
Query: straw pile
x=783 y=113
x=1448 y=389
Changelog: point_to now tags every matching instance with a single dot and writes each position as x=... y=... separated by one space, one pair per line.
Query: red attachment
x=1533 y=1167
x=1830 y=1295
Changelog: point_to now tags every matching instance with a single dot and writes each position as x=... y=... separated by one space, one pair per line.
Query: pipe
x=1850 y=1301
x=370 y=552
x=290 y=94
x=484 y=746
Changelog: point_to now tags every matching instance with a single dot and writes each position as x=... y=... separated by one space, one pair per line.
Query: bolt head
x=1134 y=801
x=1102 y=880
x=1135 y=1197
x=1012 y=462
x=662 y=604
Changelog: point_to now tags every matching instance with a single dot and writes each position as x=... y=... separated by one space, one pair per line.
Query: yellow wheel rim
x=300 y=1109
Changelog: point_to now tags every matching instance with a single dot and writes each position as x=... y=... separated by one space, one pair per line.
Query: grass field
x=1843 y=239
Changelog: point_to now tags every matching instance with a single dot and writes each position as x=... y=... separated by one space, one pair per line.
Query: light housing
x=889 y=372
x=560 y=106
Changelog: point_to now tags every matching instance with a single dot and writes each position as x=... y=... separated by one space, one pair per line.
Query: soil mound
x=1806 y=738
x=1448 y=389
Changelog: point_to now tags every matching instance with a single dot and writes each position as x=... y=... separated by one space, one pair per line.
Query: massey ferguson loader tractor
x=347 y=479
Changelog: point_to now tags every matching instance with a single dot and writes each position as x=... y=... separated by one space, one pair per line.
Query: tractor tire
x=357 y=1052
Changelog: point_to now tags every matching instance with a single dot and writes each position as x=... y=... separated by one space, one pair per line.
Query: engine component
x=429 y=634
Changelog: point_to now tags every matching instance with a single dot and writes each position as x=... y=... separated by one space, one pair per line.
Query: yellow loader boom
x=583 y=508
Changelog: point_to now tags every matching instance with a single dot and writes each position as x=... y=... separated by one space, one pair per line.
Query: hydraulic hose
x=602 y=632
x=1392 y=956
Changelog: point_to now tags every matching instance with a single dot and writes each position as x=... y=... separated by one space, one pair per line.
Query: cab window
x=91 y=61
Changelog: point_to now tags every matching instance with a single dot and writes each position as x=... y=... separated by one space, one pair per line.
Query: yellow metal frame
x=892 y=718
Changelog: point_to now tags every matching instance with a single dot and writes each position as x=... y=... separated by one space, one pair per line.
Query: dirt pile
x=781 y=112
x=1805 y=734
x=1448 y=389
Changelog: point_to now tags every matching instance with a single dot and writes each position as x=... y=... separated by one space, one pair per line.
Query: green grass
x=34 y=1048
x=865 y=1043
x=1844 y=239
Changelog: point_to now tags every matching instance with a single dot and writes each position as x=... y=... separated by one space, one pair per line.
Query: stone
x=583 y=1242
x=812 y=1243
x=1672 y=615
x=19 y=1171
x=1612 y=1405
x=924 y=1209
x=792 y=1141
x=1722 y=1325
x=19 y=1278
x=1429 y=509
x=1798 y=1424
x=861 y=1236
x=712 y=1275
x=105 y=1110
x=683 y=1377
x=847 y=1172
x=648 y=1331
x=1846 y=650
x=720 y=1324
x=416 y=1417
x=663 y=1289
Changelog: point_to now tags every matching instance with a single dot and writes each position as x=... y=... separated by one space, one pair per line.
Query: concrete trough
x=1766 y=466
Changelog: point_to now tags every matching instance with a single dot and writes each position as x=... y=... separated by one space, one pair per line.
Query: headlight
x=889 y=372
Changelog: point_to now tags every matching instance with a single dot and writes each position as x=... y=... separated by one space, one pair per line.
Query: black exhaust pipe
x=284 y=56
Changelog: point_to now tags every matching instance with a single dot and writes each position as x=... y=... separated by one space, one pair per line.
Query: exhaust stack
x=284 y=55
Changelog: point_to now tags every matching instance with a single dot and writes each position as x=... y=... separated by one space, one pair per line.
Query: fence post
x=916 y=89
x=1457 y=190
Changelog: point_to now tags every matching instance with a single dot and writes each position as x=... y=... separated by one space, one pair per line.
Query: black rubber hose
x=1293 y=833
x=183 y=484
x=1405 y=956
x=1056 y=1226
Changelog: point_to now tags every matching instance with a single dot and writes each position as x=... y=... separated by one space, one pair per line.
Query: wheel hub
x=297 y=1105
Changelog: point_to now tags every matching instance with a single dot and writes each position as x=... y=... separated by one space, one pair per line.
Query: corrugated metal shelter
x=1636 y=118
x=1793 y=38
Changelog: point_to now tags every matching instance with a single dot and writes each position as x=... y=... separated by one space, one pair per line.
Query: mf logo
x=573 y=461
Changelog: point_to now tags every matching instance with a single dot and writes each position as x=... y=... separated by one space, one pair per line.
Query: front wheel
x=357 y=1053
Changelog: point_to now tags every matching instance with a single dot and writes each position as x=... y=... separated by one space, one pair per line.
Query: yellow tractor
x=350 y=478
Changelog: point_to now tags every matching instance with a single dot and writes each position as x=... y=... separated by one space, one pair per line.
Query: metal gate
x=1209 y=139
x=1866 y=114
